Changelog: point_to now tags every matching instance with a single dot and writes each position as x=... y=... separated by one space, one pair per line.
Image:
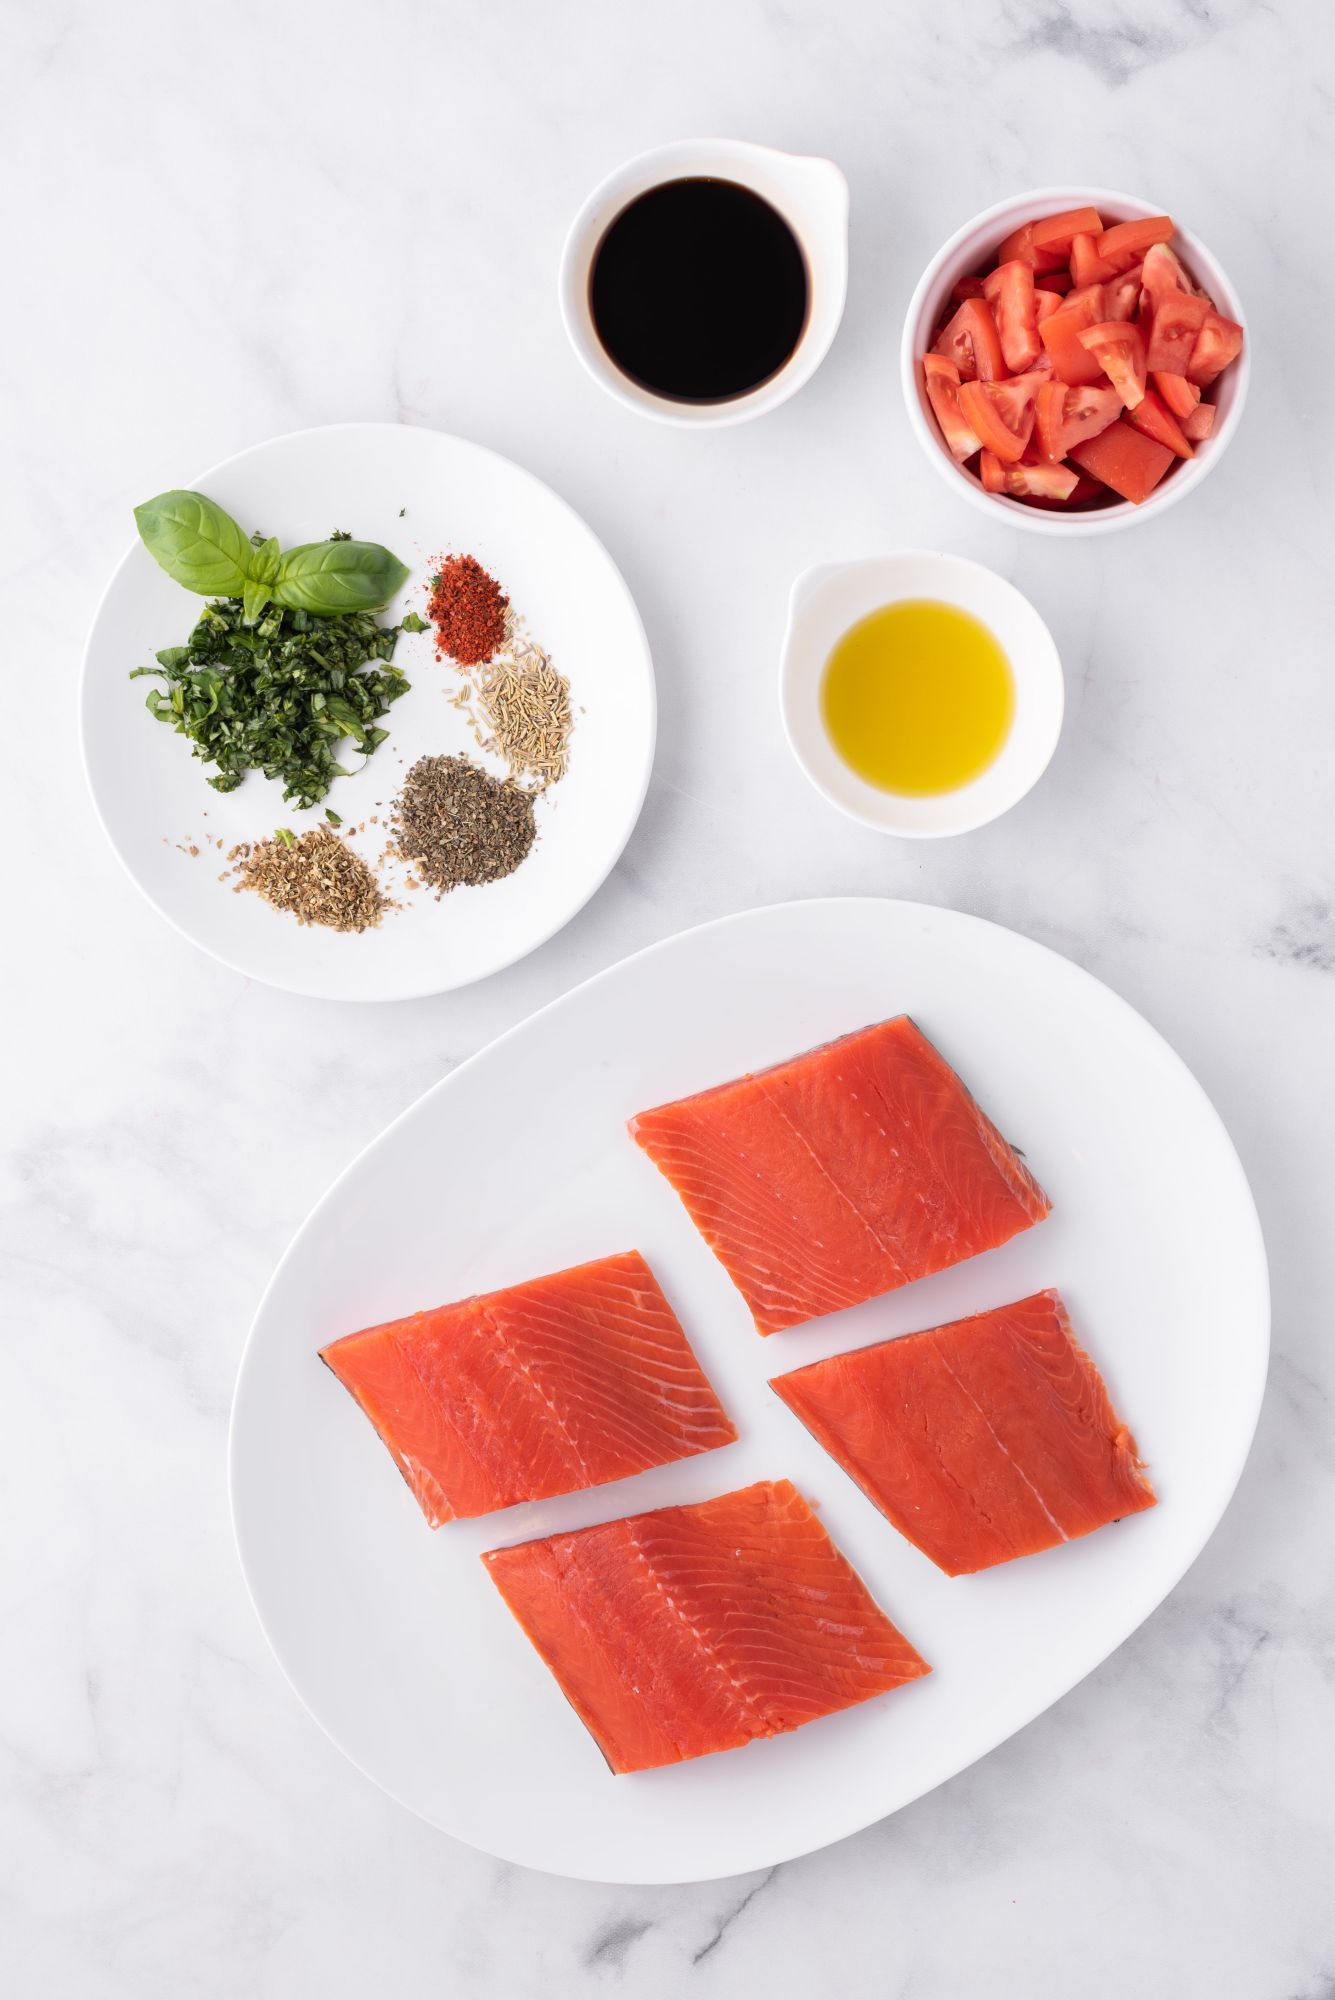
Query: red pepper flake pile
x=467 y=607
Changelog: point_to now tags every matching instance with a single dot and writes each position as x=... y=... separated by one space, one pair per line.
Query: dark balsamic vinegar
x=699 y=290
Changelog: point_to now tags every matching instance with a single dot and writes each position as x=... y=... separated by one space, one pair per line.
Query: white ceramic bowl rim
x=961 y=255
x=827 y=600
x=812 y=196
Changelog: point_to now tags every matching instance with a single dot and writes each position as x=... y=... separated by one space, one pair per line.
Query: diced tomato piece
x=1200 y=423
x=1176 y=320
x=1045 y=304
x=1119 y=348
x=1179 y=395
x=1019 y=246
x=1049 y=419
x=966 y=288
x=1087 y=267
x=1218 y=342
x=1041 y=482
x=1001 y=414
x=1124 y=459
x=1121 y=296
x=1086 y=490
x=1127 y=242
x=1026 y=481
x=1157 y=421
x=1054 y=281
x=943 y=393
x=970 y=341
x=1009 y=290
x=1054 y=232
x=1060 y=334
x=1063 y=416
x=1019 y=243
x=1162 y=273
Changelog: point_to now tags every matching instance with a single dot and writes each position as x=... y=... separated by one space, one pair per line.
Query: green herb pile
x=278 y=695
x=274 y=676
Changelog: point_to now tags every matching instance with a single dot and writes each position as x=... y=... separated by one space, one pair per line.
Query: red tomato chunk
x=1125 y=459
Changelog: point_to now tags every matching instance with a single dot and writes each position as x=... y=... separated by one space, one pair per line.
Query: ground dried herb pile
x=314 y=876
x=458 y=826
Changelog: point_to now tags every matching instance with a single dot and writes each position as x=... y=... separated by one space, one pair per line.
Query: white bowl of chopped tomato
x=1074 y=357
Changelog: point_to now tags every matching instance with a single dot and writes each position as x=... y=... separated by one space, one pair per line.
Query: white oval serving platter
x=518 y=1162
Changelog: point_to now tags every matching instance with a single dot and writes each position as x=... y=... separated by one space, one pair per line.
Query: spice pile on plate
x=457 y=826
x=314 y=876
x=519 y=707
x=468 y=609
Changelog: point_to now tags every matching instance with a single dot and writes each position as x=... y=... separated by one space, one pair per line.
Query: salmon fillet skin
x=984 y=1440
x=695 y=1629
x=841 y=1174
x=538 y=1389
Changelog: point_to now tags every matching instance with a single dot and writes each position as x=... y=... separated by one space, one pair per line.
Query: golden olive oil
x=918 y=697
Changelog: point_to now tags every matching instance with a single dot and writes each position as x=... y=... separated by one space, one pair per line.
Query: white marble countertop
x=236 y=224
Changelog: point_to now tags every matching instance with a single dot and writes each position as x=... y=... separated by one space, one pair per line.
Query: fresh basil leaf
x=412 y=623
x=335 y=819
x=286 y=835
x=254 y=597
x=264 y=560
x=327 y=577
x=197 y=544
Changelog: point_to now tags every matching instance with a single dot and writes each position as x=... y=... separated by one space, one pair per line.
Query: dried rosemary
x=458 y=826
x=519 y=707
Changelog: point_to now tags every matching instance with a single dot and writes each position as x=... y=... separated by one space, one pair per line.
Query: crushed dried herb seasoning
x=315 y=876
x=458 y=826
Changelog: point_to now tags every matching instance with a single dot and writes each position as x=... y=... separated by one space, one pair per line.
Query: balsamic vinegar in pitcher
x=699 y=290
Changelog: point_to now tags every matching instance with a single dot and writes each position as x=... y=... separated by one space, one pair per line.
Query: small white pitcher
x=812 y=197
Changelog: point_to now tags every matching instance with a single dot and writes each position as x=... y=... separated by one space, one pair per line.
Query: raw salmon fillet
x=542 y=1388
x=844 y=1173
x=983 y=1440
x=694 y=1629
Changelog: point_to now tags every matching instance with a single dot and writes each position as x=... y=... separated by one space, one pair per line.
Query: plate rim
x=435 y=985
x=790 y=1850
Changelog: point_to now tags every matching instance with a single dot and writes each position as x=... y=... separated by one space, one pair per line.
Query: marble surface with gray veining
x=225 y=223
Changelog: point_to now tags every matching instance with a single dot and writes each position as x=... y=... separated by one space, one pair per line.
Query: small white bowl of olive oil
x=922 y=694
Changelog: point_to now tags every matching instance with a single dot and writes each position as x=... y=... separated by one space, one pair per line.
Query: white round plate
x=422 y=494
x=395 y=1638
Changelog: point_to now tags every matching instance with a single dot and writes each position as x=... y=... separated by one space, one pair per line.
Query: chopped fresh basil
x=279 y=695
